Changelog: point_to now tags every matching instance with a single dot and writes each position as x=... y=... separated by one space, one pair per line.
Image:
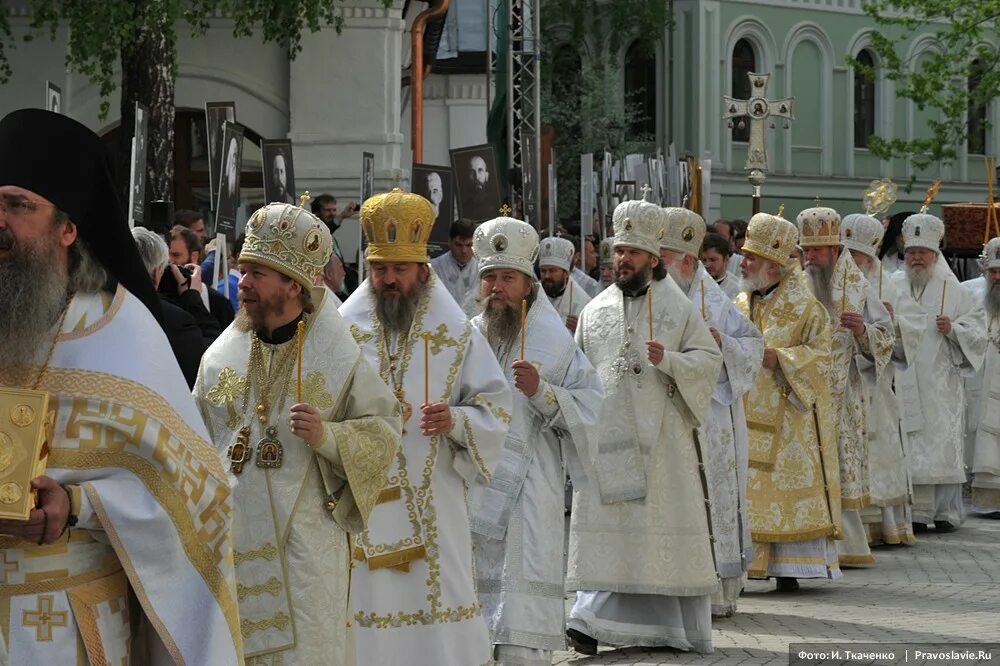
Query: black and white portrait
x=216 y=115
x=477 y=180
x=279 y=173
x=137 y=194
x=228 y=199
x=367 y=176
x=624 y=190
x=435 y=184
x=53 y=97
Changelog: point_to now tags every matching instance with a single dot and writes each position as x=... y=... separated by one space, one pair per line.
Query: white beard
x=918 y=277
x=674 y=271
x=754 y=282
x=821 y=283
x=991 y=300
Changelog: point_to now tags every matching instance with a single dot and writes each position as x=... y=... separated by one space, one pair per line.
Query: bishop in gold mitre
x=413 y=587
x=309 y=470
x=129 y=463
x=794 y=481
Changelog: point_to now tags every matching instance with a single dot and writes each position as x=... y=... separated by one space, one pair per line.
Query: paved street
x=942 y=589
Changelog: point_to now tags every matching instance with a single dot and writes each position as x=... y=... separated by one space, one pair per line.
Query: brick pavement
x=942 y=589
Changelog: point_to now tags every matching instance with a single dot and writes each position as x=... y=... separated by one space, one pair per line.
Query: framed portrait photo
x=279 y=171
x=435 y=183
x=477 y=182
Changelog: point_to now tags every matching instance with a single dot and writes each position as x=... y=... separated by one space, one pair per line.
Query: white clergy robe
x=518 y=520
x=724 y=435
x=460 y=281
x=292 y=522
x=640 y=554
x=852 y=292
x=887 y=518
x=589 y=284
x=730 y=284
x=571 y=301
x=155 y=515
x=413 y=589
x=929 y=386
x=984 y=451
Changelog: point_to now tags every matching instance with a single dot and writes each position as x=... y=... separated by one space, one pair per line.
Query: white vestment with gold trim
x=413 y=591
x=156 y=511
x=290 y=534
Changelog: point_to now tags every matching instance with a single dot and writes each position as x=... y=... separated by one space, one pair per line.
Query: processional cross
x=760 y=110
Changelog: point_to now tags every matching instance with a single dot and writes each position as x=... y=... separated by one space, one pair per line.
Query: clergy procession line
x=381 y=481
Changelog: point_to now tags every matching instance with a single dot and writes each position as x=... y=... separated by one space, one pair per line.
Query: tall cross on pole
x=760 y=110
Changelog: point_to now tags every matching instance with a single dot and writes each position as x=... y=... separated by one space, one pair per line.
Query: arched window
x=640 y=91
x=864 y=99
x=977 y=112
x=744 y=63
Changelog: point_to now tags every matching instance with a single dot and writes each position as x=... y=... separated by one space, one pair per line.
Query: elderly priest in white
x=518 y=519
x=887 y=519
x=562 y=289
x=640 y=554
x=308 y=432
x=941 y=332
x=985 y=454
x=724 y=432
x=413 y=590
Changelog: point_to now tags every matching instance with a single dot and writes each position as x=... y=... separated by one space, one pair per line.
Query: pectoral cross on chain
x=759 y=109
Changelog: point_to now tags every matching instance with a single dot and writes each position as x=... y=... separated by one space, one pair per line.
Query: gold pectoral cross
x=239 y=451
x=405 y=406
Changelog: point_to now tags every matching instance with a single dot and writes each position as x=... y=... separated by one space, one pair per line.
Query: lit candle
x=427 y=368
x=300 y=332
x=524 y=317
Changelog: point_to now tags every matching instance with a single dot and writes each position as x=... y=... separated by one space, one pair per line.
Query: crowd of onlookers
x=198 y=301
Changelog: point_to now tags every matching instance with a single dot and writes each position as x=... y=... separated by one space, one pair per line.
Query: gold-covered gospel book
x=25 y=428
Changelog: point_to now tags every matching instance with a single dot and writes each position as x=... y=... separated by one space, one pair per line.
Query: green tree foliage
x=957 y=77
x=581 y=43
x=132 y=44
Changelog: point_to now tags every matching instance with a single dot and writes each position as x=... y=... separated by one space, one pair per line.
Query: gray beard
x=755 y=282
x=991 y=301
x=33 y=293
x=396 y=314
x=918 y=278
x=683 y=282
x=502 y=325
x=821 y=283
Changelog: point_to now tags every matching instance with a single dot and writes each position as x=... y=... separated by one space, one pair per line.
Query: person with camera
x=189 y=326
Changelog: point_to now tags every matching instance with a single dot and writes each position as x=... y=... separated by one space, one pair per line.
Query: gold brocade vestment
x=793 y=483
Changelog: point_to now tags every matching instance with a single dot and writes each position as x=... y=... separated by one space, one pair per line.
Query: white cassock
x=413 y=589
x=571 y=301
x=459 y=280
x=724 y=435
x=518 y=521
x=730 y=284
x=874 y=345
x=929 y=387
x=589 y=284
x=887 y=518
x=640 y=554
x=984 y=408
x=292 y=521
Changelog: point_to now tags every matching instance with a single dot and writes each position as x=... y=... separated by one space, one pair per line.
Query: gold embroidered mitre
x=397 y=225
x=289 y=239
x=818 y=227
x=861 y=232
x=684 y=231
x=991 y=255
x=770 y=237
x=638 y=224
x=607 y=251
